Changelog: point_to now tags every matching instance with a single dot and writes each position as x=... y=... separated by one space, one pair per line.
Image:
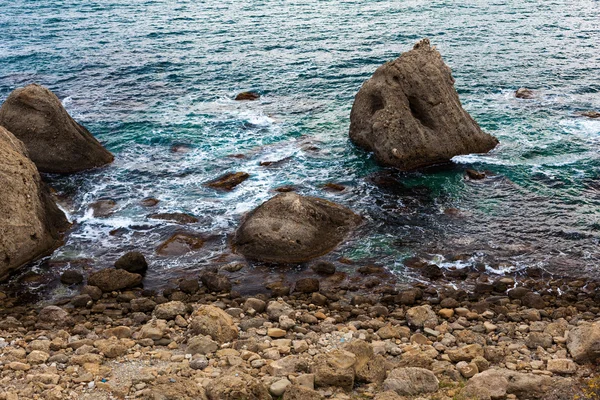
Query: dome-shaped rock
x=55 y=142
x=409 y=114
x=290 y=228
x=30 y=221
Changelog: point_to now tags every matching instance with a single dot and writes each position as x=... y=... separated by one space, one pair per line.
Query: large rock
x=411 y=381
x=290 y=228
x=213 y=322
x=584 y=342
x=30 y=222
x=496 y=383
x=56 y=143
x=409 y=114
x=335 y=368
x=110 y=279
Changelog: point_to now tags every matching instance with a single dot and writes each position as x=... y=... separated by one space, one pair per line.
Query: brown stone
x=180 y=244
x=228 y=181
x=54 y=141
x=409 y=114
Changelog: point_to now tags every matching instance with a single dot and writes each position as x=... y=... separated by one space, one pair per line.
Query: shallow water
x=148 y=76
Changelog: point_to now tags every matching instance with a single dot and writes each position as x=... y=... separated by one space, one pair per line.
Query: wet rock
x=133 y=261
x=323 y=268
x=54 y=315
x=421 y=316
x=181 y=218
x=228 y=181
x=411 y=381
x=335 y=368
x=31 y=223
x=54 y=141
x=236 y=386
x=334 y=187
x=180 y=244
x=215 y=282
x=432 y=272
x=109 y=280
x=82 y=300
x=94 y=292
x=583 y=342
x=149 y=202
x=533 y=300
x=213 y=322
x=290 y=228
x=475 y=175
x=170 y=310
x=307 y=285
x=189 y=286
x=71 y=277
x=247 y=96
x=410 y=116
x=524 y=93
x=142 y=305
x=103 y=208
x=591 y=114
x=518 y=293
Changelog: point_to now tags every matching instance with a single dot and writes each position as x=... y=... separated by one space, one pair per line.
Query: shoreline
x=137 y=343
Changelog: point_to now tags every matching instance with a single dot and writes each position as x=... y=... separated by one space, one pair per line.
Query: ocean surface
x=154 y=82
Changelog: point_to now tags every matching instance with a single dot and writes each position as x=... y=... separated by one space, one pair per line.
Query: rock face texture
x=290 y=228
x=409 y=114
x=30 y=222
x=55 y=142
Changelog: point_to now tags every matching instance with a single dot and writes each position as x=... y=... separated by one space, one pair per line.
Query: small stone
x=421 y=316
x=279 y=387
x=110 y=279
x=170 y=310
x=411 y=381
x=200 y=362
x=54 y=315
x=467 y=370
x=446 y=313
x=276 y=332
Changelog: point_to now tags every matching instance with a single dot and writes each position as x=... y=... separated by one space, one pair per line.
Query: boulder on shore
x=290 y=228
x=55 y=142
x=30 y=222
x=409 y=114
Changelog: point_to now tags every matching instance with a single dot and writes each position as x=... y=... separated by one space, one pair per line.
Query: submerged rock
x=409 y=114
x=290 y=228
x=55 y=142
x=30 y=222
x=247 y=96
x=228 y=181
x=179 y=244
x=524 y=93
x=591 y=114
x=181 y=218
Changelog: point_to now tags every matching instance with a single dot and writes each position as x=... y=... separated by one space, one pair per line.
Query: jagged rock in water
x=524 y=93
x=55 y=142
x=409 y=114
x=30 y=222
x=290 y=228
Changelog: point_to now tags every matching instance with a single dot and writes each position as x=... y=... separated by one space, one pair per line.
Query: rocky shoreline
x=319 y=339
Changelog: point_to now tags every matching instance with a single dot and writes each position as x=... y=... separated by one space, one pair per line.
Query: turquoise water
x=151 y=77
